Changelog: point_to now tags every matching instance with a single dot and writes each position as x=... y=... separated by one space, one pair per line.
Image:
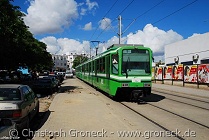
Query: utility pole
x=96 y=47
x=97 y=50
x=90 y=51
x=120 y=29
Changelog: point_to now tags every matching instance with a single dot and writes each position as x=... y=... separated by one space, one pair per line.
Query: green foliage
x=78 y=60
x=17 y=43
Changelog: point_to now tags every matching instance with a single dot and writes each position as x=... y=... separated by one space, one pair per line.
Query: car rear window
x=9 y=94
x=44 y=80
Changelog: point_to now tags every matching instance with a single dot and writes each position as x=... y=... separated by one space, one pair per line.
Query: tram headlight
x=147 y=85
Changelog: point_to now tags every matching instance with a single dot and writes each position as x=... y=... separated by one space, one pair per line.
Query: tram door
x=107 y=71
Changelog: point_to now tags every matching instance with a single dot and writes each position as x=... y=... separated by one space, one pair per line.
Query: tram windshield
x=136 y=62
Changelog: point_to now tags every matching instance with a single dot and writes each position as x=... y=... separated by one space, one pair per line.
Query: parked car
x=7 y=125
x=45 y=85
x=61 y=75
x=69 y=74
x=18 y=103
x=56 y=78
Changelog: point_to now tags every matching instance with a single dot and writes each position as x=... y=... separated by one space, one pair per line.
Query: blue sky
x=69 y=26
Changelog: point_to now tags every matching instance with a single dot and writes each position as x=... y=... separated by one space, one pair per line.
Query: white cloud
x=195 y=34
x=50 y=16
x=114 y=40
x=150 y=36
x=88 y=7
x=154 y=38
x=83 y=11
x=88 y=26
x=91 y=5
x=65 y=45
x=105 y=24
x=51 y=44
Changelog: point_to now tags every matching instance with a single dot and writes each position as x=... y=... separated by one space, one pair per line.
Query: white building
x=70 y=59
x=60 y=62
x=63 y=62
x=194 y=50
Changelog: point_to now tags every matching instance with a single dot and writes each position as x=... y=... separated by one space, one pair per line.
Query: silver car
x=18 y=103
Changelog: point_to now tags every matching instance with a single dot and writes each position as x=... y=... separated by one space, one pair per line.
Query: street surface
x=79 y=111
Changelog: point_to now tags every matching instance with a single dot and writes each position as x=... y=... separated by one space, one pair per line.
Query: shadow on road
x=35 y=124
x=153 y=98
x=64 y=89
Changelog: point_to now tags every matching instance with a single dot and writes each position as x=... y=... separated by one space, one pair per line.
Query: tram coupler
x=136 y=94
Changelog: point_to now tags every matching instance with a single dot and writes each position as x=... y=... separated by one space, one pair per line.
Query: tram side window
x=87 y=67
x=97 y=65
x=102 y=65
x=94 y=66
x=90 y=69
x=82 y=68
x=115 y=63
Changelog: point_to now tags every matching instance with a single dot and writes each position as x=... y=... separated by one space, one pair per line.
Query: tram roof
x=123 y=45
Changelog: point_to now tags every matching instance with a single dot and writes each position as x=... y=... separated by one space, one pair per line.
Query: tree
x=78 y=60
x=17 y=43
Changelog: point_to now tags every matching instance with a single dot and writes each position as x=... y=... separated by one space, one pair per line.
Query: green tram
x=123 y=70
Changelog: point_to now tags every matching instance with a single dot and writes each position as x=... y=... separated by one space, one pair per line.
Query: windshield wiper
x=126 y=67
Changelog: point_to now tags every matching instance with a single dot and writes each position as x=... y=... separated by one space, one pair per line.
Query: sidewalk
x=80 y=112
x=186 y=90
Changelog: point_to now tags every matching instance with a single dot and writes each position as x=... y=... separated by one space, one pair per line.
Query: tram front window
x=136 y=62
x=115 y=63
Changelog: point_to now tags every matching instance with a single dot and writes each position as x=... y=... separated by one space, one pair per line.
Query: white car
x=68 y=75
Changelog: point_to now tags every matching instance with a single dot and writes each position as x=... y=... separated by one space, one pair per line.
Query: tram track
x=142 y=101
x=187 y=104
x=167 y=110
x=130 y=107
x=163 y=92
x=152 y=121
x=175 y=100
